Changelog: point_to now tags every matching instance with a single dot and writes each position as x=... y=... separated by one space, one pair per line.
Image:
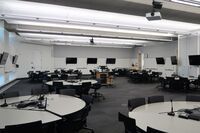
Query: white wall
x=33 y=57
x=30 y=57
x=165 y=50
x=123 y=57
x=188 y=45
x=7 y=71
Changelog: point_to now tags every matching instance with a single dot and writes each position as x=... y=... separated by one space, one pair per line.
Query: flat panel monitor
x=173 y=60
x=91 y=60
x=194 y=59
x=71 y=60
x=14 y=60
x=160 y=60
x=110 y=61
x=4 y=58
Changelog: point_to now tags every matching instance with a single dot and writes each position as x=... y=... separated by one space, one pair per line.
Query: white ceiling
x=35 y=21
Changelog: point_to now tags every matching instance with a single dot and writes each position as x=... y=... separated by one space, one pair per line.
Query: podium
x=104 y=78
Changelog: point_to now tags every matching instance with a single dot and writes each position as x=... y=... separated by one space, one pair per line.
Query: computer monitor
x=160 y=60
x=4 y=58
x=14 y=60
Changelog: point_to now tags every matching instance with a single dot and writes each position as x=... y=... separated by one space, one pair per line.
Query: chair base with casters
x=95 y=94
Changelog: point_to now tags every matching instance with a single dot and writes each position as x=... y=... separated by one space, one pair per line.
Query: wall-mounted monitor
x=160 y=61
x=110 y=61
x=91 y=60
x=194 y=59
x=14 y=59
x=4 y=58
x=174 y=60
x=71 y=60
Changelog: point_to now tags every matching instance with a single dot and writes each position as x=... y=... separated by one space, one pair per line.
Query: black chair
x=75 y=122
x=92 y=74
x=85 y=88
x=80 y=123
x=193 y=98
x=33 y=127
x=155 y=99
x=38 y=91
x=9 y=94
x=54 y=77
x=64 y=77
x=96 y=94
x=57 y=86
x=152 y=130
x=69 y=92
x=135 y=102
x=129 y=123
x=88 y=99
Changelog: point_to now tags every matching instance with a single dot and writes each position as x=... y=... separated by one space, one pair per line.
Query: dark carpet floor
x=103 y=117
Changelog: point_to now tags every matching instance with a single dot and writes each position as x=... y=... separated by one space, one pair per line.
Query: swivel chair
x=129 y=123
x=96 y=94
x=33 y=127
x=135 y=102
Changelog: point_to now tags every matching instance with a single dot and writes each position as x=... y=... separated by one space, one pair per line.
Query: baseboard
x=3 y=86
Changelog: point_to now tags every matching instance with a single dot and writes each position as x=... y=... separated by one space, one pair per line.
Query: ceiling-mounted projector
x=153 y=16
x=92 y=41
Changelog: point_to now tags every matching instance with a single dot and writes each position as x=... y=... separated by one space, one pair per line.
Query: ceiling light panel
x=46 y=11
x=188 y=2
x=92 y=28
x=63 y=38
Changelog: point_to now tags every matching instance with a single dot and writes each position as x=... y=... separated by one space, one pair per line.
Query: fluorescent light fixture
x=92 y=28
x=77 y=39
x=100 y=46
x=188 y=2
x=103 y=21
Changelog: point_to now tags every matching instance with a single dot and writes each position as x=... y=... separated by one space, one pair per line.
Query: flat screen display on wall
x=4 y=58
x=194 y=59
x=14 y=60
x=71 y=60
x=160 y=60
x=110 y=61
x=91 y=60
x=173 y=60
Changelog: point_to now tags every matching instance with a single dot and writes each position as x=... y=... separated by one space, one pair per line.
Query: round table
x=155 y=116
x=71 y=82
x=57 y=106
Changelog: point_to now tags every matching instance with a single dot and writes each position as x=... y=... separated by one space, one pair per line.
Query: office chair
x=75 y=122
x=64 y=77
x=96 y=94
x=88 y=99
x=193 y=98
x=85 y=88
x=152 y=130
x=92 y=73
x=69 y=92
x=9 y=94
x=155 y=99
x=129 y=123
x=57 y=86
x=33 y=127
x=135 y=102
x=54 y=77
x=38 y=91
